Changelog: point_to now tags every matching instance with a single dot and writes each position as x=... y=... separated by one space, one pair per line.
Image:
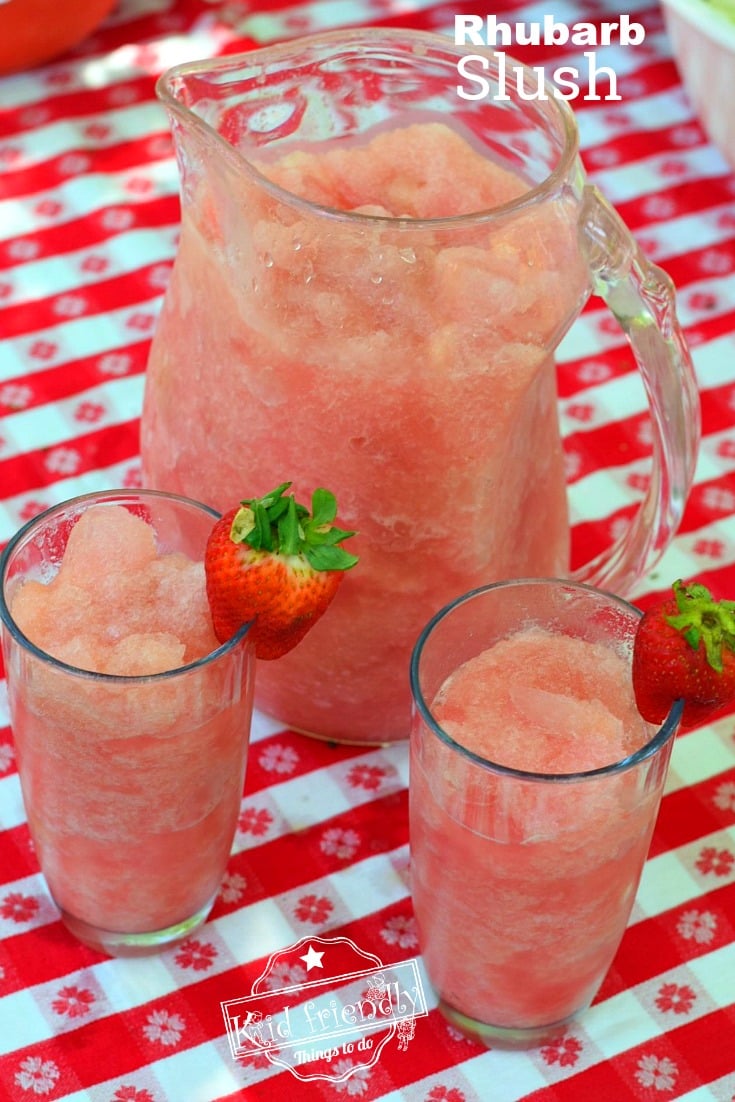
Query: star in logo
x=312 y=959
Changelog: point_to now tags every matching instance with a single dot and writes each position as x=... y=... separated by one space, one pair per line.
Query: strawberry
x=271 y=562
x=684 y=649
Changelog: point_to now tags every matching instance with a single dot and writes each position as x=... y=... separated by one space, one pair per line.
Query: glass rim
x=32 y=648
x=361 y=36
x=657 y=741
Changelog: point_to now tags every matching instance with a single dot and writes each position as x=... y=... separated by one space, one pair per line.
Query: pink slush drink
x=534 y=790
x=131 y=723
x=404 y=360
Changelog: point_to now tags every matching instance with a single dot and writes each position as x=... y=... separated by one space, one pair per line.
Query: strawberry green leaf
x=336 y=535
x=261 y=538
x=702 y=620
x=329 y=558
x=289 y=530
x=278 y=509
x=320 y=537
x=277 y=522
x=268 y=500
x=243 y=524
x=323 y=507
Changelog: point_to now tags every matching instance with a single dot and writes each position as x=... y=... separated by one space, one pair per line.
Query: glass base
x=504 y=1037
x=135 y=945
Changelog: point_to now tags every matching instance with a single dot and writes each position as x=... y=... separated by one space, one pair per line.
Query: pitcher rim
x=551 y=182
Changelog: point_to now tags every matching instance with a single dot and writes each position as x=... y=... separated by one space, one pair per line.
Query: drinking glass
x=523 y=878
x=131 y=784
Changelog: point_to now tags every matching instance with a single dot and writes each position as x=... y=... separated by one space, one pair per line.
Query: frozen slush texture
x=543 y=703
x=522 y=888
x=115 y=606
x=426 y=170
x=131 y=783
x=415 y=362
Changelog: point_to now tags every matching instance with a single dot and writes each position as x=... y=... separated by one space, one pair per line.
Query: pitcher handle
x=642 y=298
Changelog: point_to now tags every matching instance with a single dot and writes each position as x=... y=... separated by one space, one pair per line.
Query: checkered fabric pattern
x=88 y=227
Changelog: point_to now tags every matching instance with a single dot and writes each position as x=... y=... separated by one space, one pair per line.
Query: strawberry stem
x=701 y=619
x=277 y=523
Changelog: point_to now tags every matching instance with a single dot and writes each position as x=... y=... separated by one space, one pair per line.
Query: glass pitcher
x=372 y=277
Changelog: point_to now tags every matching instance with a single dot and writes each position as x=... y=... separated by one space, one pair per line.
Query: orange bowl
x=35 y=31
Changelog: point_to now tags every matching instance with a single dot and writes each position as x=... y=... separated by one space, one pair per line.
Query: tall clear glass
x=523 y=878
x=372 y=279
x=131 y=784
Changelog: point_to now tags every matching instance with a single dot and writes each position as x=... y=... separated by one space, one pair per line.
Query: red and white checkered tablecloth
x=88 y=224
